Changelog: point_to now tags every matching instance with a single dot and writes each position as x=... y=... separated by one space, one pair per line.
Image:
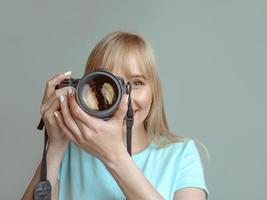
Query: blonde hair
x=116 y=50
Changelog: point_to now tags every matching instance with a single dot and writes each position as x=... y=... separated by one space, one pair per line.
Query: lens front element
x=99 y=93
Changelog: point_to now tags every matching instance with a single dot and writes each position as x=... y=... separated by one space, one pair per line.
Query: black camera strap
x=129 y=119
x=43 y=189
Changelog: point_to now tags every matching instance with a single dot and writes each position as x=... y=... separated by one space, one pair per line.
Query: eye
x=137 y=84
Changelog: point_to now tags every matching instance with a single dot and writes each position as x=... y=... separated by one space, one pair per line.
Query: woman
x=95 y=162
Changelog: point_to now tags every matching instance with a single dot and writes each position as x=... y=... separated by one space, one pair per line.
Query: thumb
x=123 y=107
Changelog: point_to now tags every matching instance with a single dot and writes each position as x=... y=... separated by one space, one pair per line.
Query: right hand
x=50 y=104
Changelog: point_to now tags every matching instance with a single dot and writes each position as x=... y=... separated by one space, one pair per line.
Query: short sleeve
x=191 y=172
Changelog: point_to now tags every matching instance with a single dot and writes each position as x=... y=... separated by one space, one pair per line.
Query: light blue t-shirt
x=84 y=177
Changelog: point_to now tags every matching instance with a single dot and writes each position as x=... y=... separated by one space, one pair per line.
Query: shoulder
x=186 y=152
x=182 y=156
x=181 y=148
x=188 y=146
x=185 y=144
x=174 y=153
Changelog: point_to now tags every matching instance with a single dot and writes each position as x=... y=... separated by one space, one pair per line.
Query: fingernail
x=55 y=113
x=69 y=91
x=127 y=99
x=68 y=73
x=61 y=98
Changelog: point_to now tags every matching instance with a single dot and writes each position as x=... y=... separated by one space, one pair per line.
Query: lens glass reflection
x=100 y=93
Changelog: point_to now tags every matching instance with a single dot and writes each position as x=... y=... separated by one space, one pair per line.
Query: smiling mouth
x=133 y=114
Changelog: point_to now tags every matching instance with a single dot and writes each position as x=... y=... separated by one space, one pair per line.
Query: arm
x=190 y=194
x=55 y=154
x=130 y=179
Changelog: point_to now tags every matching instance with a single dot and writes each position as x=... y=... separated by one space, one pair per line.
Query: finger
x=78 y=113
x=49 y=112
x=63 y=127
x=51 y=84
x=67 y=118
x=85 y=130
x=123 y=107
x=52 y=98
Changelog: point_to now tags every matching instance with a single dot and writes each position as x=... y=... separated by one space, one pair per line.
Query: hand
x=102 y=139
x=50 y=104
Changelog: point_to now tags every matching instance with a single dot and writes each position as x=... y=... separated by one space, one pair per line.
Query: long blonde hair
x=116 y=50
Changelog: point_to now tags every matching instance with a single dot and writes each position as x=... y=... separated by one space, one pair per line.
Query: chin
x=136 y=124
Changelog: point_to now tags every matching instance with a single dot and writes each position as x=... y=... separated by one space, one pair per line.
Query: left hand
x=102 y=139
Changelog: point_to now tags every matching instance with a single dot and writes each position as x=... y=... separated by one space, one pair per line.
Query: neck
x=139 y=139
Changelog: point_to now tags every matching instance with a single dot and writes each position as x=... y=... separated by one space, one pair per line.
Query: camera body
x=98 y=93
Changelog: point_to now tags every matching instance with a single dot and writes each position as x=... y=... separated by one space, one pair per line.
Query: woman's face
x=141 y=93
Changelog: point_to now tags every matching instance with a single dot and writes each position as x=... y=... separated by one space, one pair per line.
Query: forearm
x=130 y=179
x=54 y=156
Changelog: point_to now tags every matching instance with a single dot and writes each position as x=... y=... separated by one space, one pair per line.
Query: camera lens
x=99 y=93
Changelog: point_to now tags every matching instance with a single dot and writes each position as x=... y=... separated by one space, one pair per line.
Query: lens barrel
x=98 y=93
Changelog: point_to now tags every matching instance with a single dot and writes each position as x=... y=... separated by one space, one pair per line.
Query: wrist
x=57 y=144
x=55 y=147
x=116 y=159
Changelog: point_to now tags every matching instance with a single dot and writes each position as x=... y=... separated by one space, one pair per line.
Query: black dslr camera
x=98 y=93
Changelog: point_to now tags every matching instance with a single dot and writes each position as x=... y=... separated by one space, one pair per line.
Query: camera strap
x=129 y=120
x=43 y=189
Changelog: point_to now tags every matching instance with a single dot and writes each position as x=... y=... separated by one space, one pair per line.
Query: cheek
x=143 y=98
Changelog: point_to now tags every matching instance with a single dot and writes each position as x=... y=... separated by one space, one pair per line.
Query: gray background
x=212 y=61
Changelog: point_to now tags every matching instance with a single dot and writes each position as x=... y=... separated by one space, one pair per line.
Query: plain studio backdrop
x=212 y=61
